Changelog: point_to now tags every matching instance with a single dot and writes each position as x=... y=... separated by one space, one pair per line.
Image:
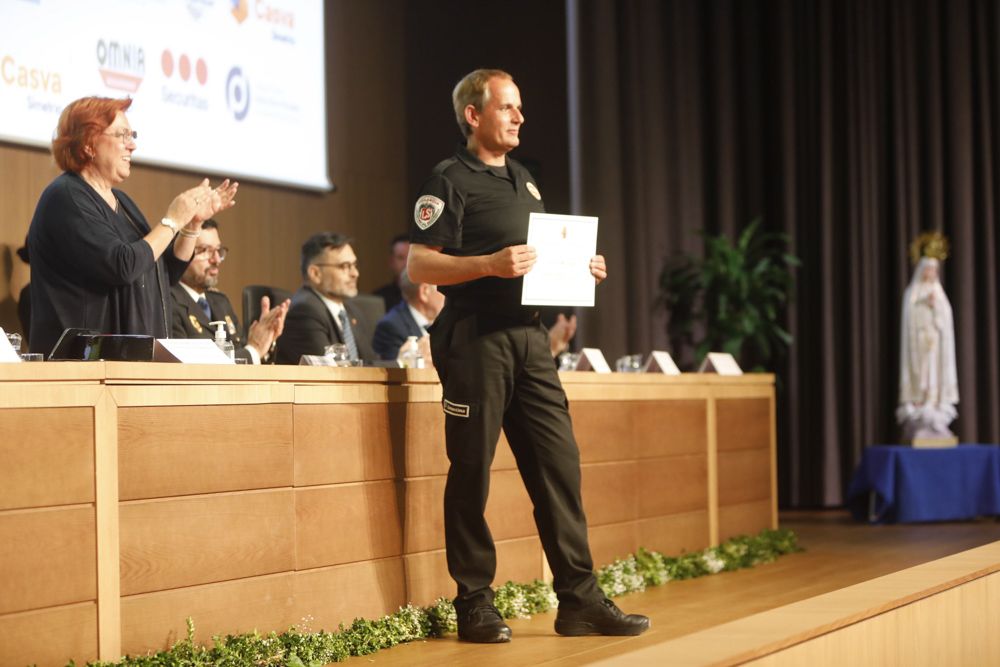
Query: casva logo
x=240 y=10
x=14 y=73
x=237 y=93
x=182 y=66
x=122 y=66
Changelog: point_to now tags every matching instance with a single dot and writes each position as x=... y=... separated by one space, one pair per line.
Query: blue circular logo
x=237 y=93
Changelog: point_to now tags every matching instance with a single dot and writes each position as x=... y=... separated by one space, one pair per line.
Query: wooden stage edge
x=942 y=612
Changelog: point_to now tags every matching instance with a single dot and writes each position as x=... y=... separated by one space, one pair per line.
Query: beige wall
x=367 y=162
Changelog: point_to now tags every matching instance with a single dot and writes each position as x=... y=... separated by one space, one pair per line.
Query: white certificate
x=561 y=275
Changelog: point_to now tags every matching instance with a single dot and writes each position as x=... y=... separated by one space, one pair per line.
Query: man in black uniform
x=493 y=359
x=196 y=302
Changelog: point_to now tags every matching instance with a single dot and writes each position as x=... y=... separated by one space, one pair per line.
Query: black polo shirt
x=470 y=208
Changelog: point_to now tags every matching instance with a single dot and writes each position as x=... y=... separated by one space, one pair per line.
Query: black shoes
x=601 y=618
x=483 y=625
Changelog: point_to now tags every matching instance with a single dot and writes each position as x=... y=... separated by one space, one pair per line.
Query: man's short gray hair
x=473 y=89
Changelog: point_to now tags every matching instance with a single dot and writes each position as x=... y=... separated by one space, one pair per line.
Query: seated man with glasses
x=196 y=302
x=321 y=313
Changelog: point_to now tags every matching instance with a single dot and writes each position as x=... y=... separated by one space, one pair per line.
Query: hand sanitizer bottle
x=222 y=342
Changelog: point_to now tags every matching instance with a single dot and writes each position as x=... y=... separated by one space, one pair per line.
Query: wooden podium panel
x=256 y=497
x=47 y=457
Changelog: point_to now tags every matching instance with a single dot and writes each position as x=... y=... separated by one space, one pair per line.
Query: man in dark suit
x=410 y=317
x=196 y=302
x=321 y=313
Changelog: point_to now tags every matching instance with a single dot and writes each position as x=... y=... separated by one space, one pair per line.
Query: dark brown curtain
x=850 y=125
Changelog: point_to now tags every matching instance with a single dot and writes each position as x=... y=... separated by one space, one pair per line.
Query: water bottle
x=409 y=354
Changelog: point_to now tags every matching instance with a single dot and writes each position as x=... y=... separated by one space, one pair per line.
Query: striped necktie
x=345 y=329
x=203 y=304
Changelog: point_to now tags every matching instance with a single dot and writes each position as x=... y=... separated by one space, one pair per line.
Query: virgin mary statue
x=928 y=381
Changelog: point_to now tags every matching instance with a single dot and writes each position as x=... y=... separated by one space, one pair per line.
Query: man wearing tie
x=321 y=313
x=195 y=302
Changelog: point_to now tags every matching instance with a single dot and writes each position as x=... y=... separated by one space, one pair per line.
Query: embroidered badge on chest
x=195 y=323
x=427 y=211
x=534 y=191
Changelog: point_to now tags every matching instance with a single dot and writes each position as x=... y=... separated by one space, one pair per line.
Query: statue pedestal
x=927 y=426
x=935 y=442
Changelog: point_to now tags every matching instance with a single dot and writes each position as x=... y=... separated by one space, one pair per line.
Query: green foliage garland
x=300 y=647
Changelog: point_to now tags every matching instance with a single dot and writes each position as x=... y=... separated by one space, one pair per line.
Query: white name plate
x=592 y=359
x=662 y=362
x=189 y=351
x=722 y=363
x=7 y=353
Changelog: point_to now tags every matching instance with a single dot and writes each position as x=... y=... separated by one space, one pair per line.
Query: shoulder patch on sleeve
x=427 y=211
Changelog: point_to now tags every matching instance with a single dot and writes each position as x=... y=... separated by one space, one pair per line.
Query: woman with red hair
x=96 y=263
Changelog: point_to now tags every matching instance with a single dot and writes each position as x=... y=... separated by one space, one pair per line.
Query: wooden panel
x=334 y=595
x=744 y=475
x=46 y=456
x=427 y=577
x=744 y=519
x=675 y=534
x=188 y=541
x=171 y=451
x=50 y=637
x=662 y=428
x=344 y=443
x=610 y=493
x=423 y=516
x=425 y=451
x=155 y=621
x=603 y=430
x=346 y=523
x=613 y=541
x=672 y=484
x=47 y=558
x=744 y=423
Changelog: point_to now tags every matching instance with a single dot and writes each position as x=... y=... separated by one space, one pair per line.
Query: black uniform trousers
x=497 y=370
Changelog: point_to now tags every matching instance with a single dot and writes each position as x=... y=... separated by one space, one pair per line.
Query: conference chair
x=251 y=301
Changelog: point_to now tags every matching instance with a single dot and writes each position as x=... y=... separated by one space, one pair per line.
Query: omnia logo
x=20 y=75
x=122 y=66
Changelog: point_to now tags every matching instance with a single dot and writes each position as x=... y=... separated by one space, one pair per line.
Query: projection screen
x=220 y=87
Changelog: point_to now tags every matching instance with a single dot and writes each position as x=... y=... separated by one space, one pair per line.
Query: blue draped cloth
x=911 y=485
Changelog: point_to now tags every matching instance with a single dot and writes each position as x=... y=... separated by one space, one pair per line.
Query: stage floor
x=839 y=552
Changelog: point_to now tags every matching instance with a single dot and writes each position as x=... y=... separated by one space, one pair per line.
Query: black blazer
x=91 y=268
x=189 y=321
x=393 y=329
x=309 y=328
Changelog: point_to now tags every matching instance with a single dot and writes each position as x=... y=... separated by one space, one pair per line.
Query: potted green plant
x=731 y=299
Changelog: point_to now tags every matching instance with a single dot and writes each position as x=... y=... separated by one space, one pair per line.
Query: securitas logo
x=237 y=93
x=122 y=65
x=182 y=65
x=185 y=80
x=240 y=9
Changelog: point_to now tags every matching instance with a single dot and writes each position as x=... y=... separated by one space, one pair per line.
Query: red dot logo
x=182 y=64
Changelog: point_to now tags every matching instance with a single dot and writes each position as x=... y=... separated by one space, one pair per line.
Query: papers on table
x=561 y=275
x=189 y=351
